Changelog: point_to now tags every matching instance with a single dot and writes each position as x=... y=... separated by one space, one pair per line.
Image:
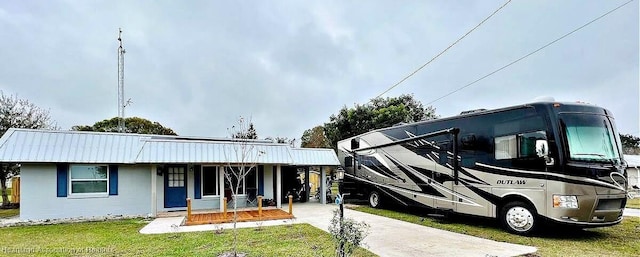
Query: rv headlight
x=565 y=201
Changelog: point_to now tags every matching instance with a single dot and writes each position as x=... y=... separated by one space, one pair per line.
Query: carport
x=306 y=161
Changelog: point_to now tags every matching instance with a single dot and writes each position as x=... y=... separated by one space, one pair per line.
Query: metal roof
x=51 y=146
x=173 y=151
x=632 y=160
x=24 y=145
x=314 y=157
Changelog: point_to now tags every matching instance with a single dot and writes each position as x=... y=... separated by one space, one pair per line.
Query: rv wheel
x=519 y=218
x=374 y=199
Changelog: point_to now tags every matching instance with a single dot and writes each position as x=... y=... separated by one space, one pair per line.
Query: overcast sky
x=195 y=66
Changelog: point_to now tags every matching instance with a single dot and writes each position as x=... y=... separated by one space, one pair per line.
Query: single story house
x=68 y=174
x=633 y=171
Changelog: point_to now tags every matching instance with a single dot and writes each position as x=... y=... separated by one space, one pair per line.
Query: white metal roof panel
x=314 y=157
x=24 y=145
x=183 y=151
x=49 y=146
x=632 y=160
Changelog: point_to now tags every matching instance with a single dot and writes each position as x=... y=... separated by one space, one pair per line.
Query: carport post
x=221 y=186
x=306 y=184
x=279 y=187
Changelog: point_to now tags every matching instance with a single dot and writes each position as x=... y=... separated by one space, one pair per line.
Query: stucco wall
x=39 y=200
x=268 y=182
x=634 y=178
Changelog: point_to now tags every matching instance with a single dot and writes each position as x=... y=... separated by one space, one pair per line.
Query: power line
x=531 y=53
x=438 y=55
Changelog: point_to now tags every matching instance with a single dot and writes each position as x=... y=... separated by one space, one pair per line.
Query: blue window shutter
x=63 y=171
x=261 y=180
x=113 y=179
x=197 y=171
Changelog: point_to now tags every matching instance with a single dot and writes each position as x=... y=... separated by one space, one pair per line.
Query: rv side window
x=505 y=147
x=527 y=143
x=348 y=161
x=517 y=146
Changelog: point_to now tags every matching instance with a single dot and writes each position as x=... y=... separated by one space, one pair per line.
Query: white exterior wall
x=268 y=182
x=39 y=201
x=160 y=195
x=634 y=176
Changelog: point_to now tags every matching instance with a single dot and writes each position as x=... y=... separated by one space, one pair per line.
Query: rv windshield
x=590 y=138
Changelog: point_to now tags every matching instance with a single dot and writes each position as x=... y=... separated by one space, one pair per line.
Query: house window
x=89 y=179
x=209 y=181
x=249 y=180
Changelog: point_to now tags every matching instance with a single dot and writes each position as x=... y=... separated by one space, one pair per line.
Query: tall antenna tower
x=121 y=103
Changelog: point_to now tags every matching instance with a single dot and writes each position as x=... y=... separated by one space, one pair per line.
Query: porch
x=243 y=216
x=259 y=213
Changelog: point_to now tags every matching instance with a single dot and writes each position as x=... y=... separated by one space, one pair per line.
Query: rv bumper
x=586 y=224
x=591 y=211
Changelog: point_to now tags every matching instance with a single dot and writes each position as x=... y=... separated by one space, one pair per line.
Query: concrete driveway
x=390 y=237
x=387 y=237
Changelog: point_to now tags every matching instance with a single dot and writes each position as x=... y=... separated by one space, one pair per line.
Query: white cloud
x=197 y=66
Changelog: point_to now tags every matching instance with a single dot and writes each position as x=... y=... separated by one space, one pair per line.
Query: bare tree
x=242 y=158
x=283 y=140
x=18 y=113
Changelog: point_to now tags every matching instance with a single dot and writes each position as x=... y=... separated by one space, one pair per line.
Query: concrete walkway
x=631 y=212
x=387 y=237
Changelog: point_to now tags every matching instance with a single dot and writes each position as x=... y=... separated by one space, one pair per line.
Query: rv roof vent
x=544 y=99
x=472 y=111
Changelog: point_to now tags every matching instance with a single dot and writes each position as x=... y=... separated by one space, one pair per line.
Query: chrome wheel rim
x=373 y=199
x=519 y=219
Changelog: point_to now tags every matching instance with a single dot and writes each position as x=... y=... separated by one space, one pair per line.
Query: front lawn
x=619 y=240
x=8 y=194
x=634 y=203
x=121 y=238
x=6 y=213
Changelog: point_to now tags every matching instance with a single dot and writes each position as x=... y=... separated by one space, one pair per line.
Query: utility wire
x=438 y=55
x=531 y=53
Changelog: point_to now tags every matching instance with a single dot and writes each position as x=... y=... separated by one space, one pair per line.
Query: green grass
x=619 y=240
x=633 y=203
x=121 y=238
x=6 y=213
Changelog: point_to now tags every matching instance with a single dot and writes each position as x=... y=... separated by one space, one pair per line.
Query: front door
x=175 y=187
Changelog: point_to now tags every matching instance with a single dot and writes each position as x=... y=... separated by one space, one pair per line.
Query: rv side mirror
x=355 y=144
x=348 y=161
x=542 y=150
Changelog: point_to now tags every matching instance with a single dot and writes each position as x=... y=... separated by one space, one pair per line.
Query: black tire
x=375 y=199
x=519 y=218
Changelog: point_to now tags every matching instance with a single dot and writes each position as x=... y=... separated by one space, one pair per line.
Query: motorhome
x=543 y=161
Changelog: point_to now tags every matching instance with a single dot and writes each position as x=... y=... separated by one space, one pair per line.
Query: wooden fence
x=15 y=190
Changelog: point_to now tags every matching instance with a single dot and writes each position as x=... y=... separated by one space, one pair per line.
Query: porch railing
x=224 y=212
